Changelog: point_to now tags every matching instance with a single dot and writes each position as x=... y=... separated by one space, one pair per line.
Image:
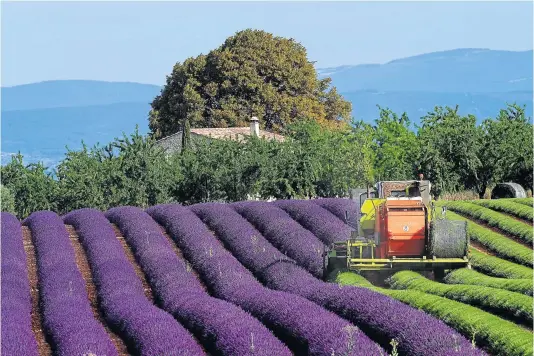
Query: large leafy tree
x=253 y=73
x=449 y=150
x=395 y=145
x=506 y=149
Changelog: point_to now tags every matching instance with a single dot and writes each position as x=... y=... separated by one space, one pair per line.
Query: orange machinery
x=397 y=228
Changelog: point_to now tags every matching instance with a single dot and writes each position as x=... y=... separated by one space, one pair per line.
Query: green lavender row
x=500 y=336
x=498 y=267
x=493 y=300
x=505 y=223
x=500 y=244
x=517 y=209
x=472 y=277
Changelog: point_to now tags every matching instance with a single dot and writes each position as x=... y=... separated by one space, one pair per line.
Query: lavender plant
x=17 y=337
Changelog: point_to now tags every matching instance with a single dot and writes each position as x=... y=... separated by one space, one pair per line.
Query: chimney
x=254 y=126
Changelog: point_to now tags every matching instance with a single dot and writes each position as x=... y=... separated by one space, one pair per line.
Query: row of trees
x=449 y=149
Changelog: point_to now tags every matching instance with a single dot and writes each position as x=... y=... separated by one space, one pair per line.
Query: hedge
x=472 y=277
x=497 y=267
x=490 y=299
x=500 y=244
x=501 y=337
x=514 y=208
x=507 y=224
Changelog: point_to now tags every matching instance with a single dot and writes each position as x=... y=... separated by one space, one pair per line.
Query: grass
x=505 y=223
x=471 y=277
x=506 y=206
x=500 y=244
x=500 y=336
x=497 y=267
x=502 y=302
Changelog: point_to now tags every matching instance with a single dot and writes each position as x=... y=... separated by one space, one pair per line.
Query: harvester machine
x=397 y=227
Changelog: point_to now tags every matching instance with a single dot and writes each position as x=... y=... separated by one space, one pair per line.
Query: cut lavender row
x=380 y=316
x=304 y=326
x=278 y=227
x=322 y=223
x=342 y=208
x=17 y=336
x=231 y=331
x=146 y=329
x=67 y=315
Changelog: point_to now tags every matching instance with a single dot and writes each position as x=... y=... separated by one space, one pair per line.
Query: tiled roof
x=234 y=133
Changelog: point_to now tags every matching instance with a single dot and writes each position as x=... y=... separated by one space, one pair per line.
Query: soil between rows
x=36 y=318
x=83 y=267
x=129 y=254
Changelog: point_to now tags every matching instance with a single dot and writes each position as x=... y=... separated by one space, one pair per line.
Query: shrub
x=501 y=245
x=322 y=223
x=491 y=299
x=380 y=317
x=146 y=328
x=525 y=201
x=285 y=234
x=67 y=315
x=502 y=337
x=7 y=200
x=510 y=207
x=498 y=267
x=17 y=335
x=306 y=327
x=232 y=332
x=505 y=223
x=471 y=277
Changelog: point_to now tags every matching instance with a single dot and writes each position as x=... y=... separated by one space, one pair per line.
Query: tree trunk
x=186 y=135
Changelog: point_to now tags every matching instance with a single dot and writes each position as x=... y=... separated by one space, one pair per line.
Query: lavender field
x=248 y=278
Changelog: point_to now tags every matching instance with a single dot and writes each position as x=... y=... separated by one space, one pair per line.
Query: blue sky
x=140 y=42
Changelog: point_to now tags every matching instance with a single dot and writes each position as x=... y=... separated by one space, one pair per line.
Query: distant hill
x=75 y=93
x=456 y=71
x=40 y=119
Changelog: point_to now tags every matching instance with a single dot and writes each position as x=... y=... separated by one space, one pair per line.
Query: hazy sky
x=140 y=41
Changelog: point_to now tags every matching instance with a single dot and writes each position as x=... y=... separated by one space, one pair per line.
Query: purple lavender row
x=338 y=207
x=146 y=329
x=223 y=328
x=381 y=317
x=302 y=246
x=17 y=335
x=67 y=315
x=323 y=224
x=305 y=327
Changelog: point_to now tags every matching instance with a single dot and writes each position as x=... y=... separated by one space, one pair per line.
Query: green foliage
x=501 y=245
x=524 y=201
x=491 y=299
x=471 y=277
x=32 y=187
x=449 y=147
x=395 y=146
x=516 y=209
x=506 y=151
x=7 y=200
x=128 y=171
x=133 y=171
x=500 y=336
x=497 y=267
x=505 y=223
x=253 y=73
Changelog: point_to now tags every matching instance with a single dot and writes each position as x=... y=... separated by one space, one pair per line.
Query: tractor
x=396 y=227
